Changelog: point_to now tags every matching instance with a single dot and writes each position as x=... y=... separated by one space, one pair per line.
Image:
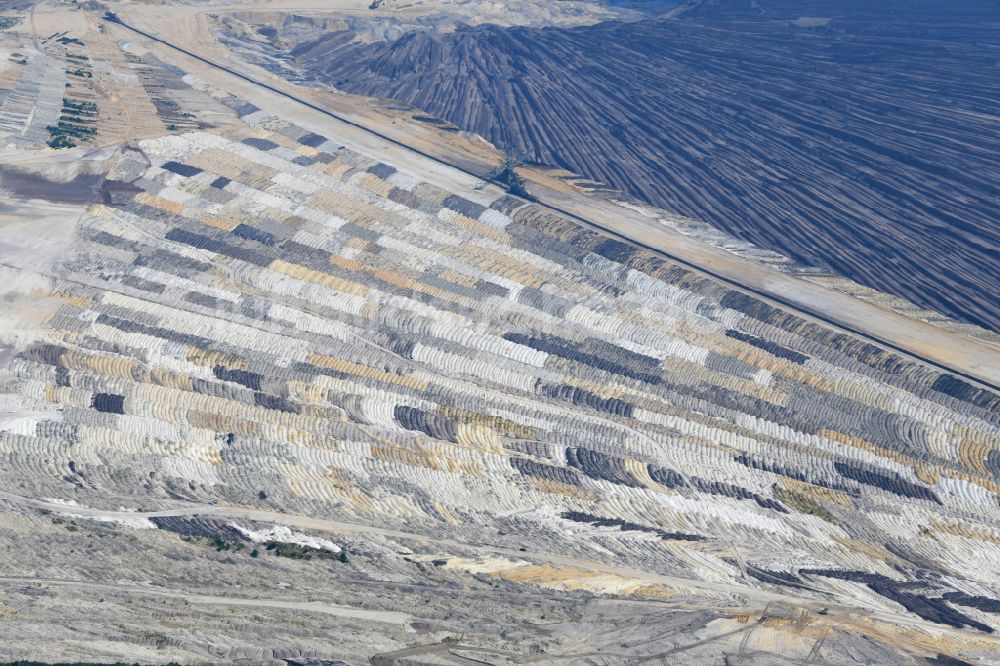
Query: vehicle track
x=754 y=600
x=740 y=598
x=389 y=617
x=341 y=527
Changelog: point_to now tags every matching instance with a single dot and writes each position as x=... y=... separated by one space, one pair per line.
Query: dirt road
x=389 y=617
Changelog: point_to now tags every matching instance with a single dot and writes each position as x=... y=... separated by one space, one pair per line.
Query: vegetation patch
x=74 y=124
x=299 y=552
x=217 y=542
x=8 y=22
x=803 y=504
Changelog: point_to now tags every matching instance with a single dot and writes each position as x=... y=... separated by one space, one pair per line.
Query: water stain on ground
x=82 y=189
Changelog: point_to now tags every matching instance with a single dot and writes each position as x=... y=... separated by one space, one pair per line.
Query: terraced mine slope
x=859 y=137
x=276 y=396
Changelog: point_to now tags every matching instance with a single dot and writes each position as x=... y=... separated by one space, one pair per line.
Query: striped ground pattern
x=267 y=318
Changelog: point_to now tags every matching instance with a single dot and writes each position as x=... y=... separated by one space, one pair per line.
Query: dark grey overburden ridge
x=860 y=137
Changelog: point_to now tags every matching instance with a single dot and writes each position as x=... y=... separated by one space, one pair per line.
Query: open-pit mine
x=295 y=376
